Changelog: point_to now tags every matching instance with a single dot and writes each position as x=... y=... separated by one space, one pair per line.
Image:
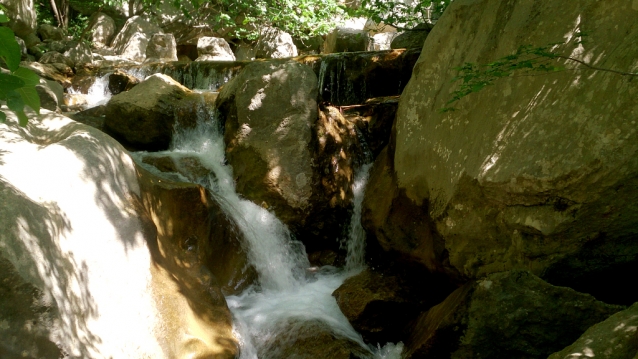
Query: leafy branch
x=527 y=60
x=17 y=86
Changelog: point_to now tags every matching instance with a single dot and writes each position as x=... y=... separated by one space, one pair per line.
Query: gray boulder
x=144 y=116
x=161 y=48
x=53 y=57
x=412 y=38
x=101 y=29
x=51 y=94
x=22 y=16
x=548 y=180
x=274 y=44
x=132 y=40
x=214 y=49
x=80 y=54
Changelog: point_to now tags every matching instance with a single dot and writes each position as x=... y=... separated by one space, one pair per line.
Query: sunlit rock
x=53 y=57
x=101 y=29
x=144 y=116
x=22 y=16
x=161 y=48
x=274 y=43
x=505 y=315
x=537 y=172
x=58 y=72
x=82 y=271
x=214 y=49
x=132 y=40
x=614 y=338
x=80 y=54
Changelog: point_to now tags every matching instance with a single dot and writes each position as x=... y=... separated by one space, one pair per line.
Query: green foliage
x=399 y=14
x=44 y=12
x=17 y=87
x=77 y=25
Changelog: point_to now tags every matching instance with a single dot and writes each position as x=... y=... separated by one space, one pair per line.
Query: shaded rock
x=132 y=40
x=214 y=49
x=161 y=48
x=23 y=48
x=412 y=38
x=378 y=306
x=270 y=110
x=346 y=40
x=547 y=181
x=353 y=78
x=310 y=340
x=506 y=315
x=50 y=32
x=374 y=119
x=144 y=116
x=51 y=94
x=22 y=16
x=57 y=46
x=52 y=57
x=120 y=81
x=311 y=46
x=244 y=52
x=382 y=41
x=274 y=43
x=194 y=228
x=614 y=338
x=93 y=117
x=101 y=29
x=61 y=286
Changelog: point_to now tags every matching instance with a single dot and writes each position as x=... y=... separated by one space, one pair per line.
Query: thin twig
x=597 y=68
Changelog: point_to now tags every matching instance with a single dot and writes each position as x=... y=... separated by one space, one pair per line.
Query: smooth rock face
x=614 y=338
x=535 y=172
x=505 y=315
x=275 y=44
x=270 y=109
x=214 y=49
x=161 y=48
x=101 y=29
x=80 y=269
x=22 y=16
x=132 y=40
x=80 y=54
x=144 y=116
x=346 y=40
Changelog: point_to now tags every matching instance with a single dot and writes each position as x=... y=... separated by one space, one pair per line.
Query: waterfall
x=286 y=291
x=98 y=94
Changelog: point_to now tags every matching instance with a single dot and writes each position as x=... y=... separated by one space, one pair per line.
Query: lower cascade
x=290 y=297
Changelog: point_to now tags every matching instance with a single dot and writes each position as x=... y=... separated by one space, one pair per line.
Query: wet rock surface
x=505 y=315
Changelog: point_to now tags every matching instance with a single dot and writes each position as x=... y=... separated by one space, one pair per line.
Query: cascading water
x=98 y=94
x=286 y=292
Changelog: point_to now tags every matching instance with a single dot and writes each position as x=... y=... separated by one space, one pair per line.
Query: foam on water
x=98 y=94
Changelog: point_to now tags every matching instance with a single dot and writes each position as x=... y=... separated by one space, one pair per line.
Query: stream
x=288 y=292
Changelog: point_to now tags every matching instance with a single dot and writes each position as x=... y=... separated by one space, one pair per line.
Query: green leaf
x=30 y=97
x=3 y=18
x=22 y=118
x=9 y=48
x=3 y=117
x=29 y=77
x=10 y=82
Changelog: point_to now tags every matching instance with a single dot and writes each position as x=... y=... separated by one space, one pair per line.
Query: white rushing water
x=286 y=292
x=98 y=94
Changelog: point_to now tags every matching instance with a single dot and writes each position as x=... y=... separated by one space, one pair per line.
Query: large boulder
x=214 y=49
x=505 y=315
x=614 y=338
x=537 y=172
x=22 y=16
x=50 y=32
x=54 y=57
x=82 y=274
x=270 y=110
x=161 y=48
x=274 y=43
x=144 y=116
x=80 y=54
x=51 y=94
x=101 y=29
x=132 y=40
